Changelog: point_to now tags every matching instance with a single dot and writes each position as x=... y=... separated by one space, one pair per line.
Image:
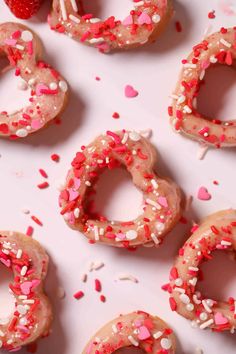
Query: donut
x=32 y=315
x=48 y=89
x=143 y=24
x=218 y=48
x=136 y=329
x=161 y=206
x=216 y=232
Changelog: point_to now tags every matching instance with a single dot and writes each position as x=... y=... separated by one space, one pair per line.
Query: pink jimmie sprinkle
x=130 y=92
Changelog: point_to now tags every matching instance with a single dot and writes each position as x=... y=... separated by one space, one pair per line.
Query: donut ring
x=217 y=232
x=218 y=48
x=144 y=23
x=137 y=329
x=48 y=88
x=161 y=197
x=33 y=314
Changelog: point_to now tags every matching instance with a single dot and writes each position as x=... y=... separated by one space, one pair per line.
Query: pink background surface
x=153 y=71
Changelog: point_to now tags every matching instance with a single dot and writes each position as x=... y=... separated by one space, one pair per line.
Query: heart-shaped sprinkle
x=203 y=194
x=144 y=19
x=6 y=262
x=130 y=92
x=39 y=88
x=73 y=194
x=36 y=124
x=220 y=319
x=128 y=21
x=143 y=333
x=162 y=201
x=26 y=287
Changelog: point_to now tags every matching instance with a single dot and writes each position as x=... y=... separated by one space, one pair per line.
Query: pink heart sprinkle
x=26 y=287
x=144 y=19
x=10 y=41
x=73 y=194
x=120 y=236
x=40 y=87
x=220 y=319
x=77 y=182
x=128 y=21
x=130 y=92
x=143 y=333
x=35 y=282
x=36 y=124
x=6 y=262
x=203 y=194
x=163 y=201
x=138 y=323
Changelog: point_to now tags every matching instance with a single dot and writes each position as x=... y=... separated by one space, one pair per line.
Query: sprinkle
x=74 y=18
x=157 y=334
x=225 y=43
x=26 y=36
x=130 y=92
x=211 y=14
x=203 y=194
x=115 y=115
x=43 y=185
x=97 y=265
x=166 y=343
x=55 y=157
x=96 y=233
x=43 y=173
x=29 y=231
x=74 y=5
x=21 y=133
x=63 y=9
x=61 y=292
x=153 y=203
x=202 y=151
x=173 y=304
x=206 y=324
x=178 y=26
x=133 y=341
x=155 y=239
x=78 y=295
x=206 y=307
x=36 y=220
x=23 y=271
x=126 y=276
x=84 y=277
x=19 y=253
x=98 y=285
x=102 y=298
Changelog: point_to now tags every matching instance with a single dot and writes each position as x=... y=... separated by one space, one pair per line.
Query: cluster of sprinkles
x=218 y=48
x=218 y=232
x=161 y=208
x=23 y=324
x=140 y=26
x=137 y=329
x=47 y=88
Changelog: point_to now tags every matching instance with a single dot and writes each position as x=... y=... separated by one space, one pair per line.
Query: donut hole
x=219 y=276
x=116 y=197
x=13 y=97
x=129 y=350
x=7 y=303
x=104 y=9
x=216 y=99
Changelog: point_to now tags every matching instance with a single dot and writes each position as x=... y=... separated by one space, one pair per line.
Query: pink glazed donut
x=216 y=233
x=48 y=88
x=218 y=48
x=144 y=23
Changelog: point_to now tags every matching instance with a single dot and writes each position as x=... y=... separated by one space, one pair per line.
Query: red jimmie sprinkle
x=173 y=304
x=78 y=295
x=29 y=231
x=55 y=157
x=103 y=298
x=178 y=26
x=43 y=185
x=98 y=285
x=36 y=220
x=115 y=115
x=43 y=173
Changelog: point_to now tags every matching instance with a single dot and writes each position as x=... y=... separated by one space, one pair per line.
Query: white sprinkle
x=125 y=276
x=213 y=59
x=190 y=307
x=181 y=99
x=114 y=328
x=155 y=239
x=88 y=183
x=23 y=271
x=203 y=316
x=190 y=66
x=153 y=203
x=154 y=184
x=202 y=151
x=95 y=20
x=74 y=5
x=206 y=307
x=96 y=233
x=184 y=298
x=125 y=138
x=28 y=301
x=206 y=324
x=84 y=277
x=96 y=40
x=193 y=281
x=26 y=36
x=147 y=133
x=2 y=334
x=20 y=47
x=63 y=9
x=225 y=243
x=156 y=18
x=166 y=343
x=74 y=18
x=140 y=3
x=187 y=109
x=21 y=133
x=22 y=85
x=19 y=253
x=180 y=290
x=133 y=341
x=178 y=282
x=194 y=269
x=134 y=136
x=225 y=43
x=160 y=226
x=63 y=85
x=196 y=300
x=157 y=334
x=131 y=235
x=202 y=74
x=76 y=213
x=22 y=309
x=53 y=85
x=98 y=265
